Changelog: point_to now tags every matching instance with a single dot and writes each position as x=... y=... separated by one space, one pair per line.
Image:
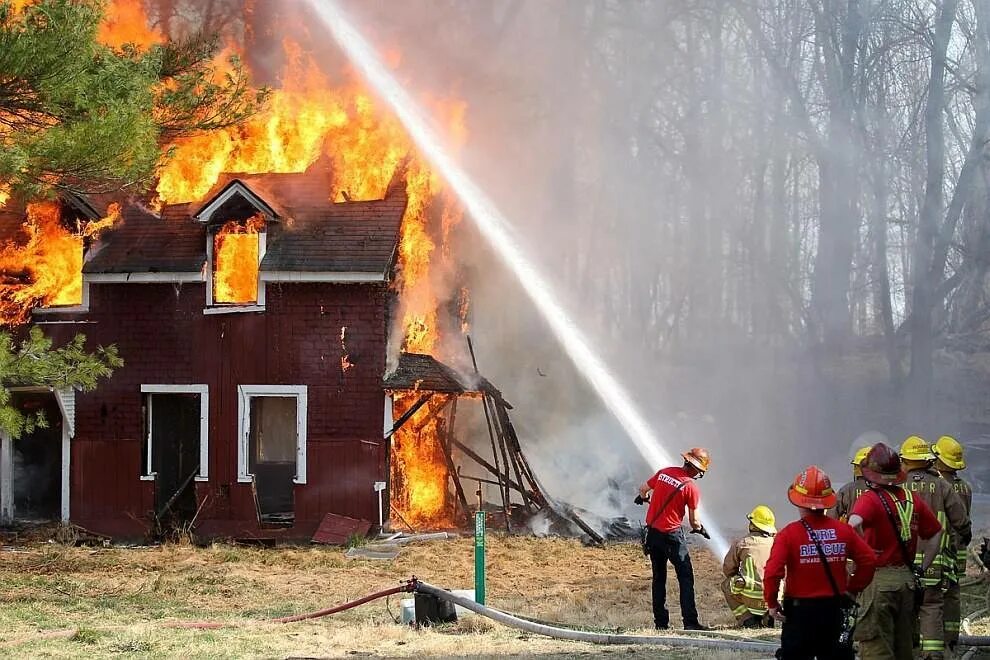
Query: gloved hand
x=701 y=530
x=639 y=500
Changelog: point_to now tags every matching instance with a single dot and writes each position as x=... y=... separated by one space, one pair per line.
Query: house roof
x=317 y=235
x=144 y=243
x=425 y=373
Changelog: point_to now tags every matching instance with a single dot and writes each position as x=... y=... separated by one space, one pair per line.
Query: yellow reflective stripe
x=952 y=626
x=944 y=522
x=932 y=645
x=739 y=611
x=905 y=511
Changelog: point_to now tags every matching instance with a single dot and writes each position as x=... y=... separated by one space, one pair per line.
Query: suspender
x=908 y=560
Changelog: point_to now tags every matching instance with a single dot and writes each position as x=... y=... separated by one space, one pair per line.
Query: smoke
x=622 y=138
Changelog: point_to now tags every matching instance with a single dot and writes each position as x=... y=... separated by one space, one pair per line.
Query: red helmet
x=812 y=489
x=883 y=466
x=698 y=457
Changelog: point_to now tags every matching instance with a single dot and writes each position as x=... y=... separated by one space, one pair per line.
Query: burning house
x=286 y=286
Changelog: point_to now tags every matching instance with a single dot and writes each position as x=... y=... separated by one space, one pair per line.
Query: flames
x=125 y=22
x=45 y=270
x=418 y=469
x=235 y=261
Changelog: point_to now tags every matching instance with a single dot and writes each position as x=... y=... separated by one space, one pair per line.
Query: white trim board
x=244 y=395
x=235 y=187
x=143 y=278
x=204 y=425
x=320 y=276
x=6 y=478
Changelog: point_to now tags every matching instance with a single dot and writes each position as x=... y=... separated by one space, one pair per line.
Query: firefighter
x=743 y=570
x=812 y=608
x=673 y=491
x=948 y=461
x=851 y=491
x=892 y=520
x=924 y=481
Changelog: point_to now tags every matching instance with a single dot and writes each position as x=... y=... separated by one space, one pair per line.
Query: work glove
x=639 y=500
x=701 y=530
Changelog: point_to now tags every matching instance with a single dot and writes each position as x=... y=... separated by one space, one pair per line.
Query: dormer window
x=238 y=223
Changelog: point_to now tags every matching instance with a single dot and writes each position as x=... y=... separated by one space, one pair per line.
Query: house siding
x=164 y=338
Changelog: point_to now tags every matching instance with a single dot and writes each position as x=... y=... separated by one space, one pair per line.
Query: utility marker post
x=479 y=557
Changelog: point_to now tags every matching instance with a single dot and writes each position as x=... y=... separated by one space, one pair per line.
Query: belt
x=806 y=602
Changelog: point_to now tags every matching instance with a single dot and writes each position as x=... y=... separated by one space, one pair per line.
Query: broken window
x=272 y=453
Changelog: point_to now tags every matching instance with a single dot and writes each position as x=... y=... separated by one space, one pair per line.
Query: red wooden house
x=253 y=417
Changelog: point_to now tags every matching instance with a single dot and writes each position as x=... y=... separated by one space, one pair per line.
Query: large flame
x=235 y=261
x=45 y=270
x=418 y=469
x=125 y=22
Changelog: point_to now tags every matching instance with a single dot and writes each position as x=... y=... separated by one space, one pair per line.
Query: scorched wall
x=165 y=338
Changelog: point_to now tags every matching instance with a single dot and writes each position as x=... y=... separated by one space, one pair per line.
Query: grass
x=69 y=602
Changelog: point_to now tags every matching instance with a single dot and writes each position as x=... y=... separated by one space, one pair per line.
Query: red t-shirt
x=879 y=532
x=663 y=483
x=794 y=554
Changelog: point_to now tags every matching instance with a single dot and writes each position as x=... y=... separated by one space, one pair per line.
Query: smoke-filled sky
x=664 y=163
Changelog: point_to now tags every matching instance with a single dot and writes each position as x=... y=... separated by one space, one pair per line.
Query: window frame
x=213 y=307
x=244 y=395
x=203 y=391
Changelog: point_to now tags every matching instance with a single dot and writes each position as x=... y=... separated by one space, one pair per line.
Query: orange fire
x=46 y=269
x=418 y=469
x=125 y=22
x=235 y=261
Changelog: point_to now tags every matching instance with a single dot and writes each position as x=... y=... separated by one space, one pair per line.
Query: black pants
x=672 y=547
x=812 y=630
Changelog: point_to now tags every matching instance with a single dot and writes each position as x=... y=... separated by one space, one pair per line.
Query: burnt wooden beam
x=409 y=413
x=470 y=453
x=448 y=430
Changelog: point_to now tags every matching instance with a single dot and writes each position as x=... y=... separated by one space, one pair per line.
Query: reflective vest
x=744 y=564
x=948 y=507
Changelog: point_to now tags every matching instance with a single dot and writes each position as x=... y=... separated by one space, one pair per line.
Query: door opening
x=36 y=462
x=172 y=455
x=272 y=444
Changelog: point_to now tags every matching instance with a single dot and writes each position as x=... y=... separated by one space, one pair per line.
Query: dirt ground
x=84 y=602
x=58 y=601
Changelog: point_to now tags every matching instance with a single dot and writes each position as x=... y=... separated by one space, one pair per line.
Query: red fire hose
x=405 y=587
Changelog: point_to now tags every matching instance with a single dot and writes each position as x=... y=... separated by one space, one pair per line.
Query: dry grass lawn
x=83 y=602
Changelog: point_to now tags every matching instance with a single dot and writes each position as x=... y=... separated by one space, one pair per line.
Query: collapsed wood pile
x=521 y=497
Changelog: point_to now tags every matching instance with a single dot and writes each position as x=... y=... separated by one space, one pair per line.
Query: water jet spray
x=502 y=237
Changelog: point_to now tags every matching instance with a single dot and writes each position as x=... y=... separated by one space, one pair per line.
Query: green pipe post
x=479 y=557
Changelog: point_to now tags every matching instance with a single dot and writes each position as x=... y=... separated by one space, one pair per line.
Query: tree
x=33 y=362
x=80 y=116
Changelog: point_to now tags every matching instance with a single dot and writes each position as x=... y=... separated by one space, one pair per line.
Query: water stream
x=499 y=233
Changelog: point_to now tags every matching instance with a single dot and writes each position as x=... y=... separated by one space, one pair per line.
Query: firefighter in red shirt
x=674 y=490
x=892 y=519
x=812 y=611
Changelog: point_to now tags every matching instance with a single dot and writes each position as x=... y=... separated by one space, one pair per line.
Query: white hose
x=594 y=638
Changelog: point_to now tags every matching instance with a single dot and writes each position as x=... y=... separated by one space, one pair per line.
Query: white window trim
x=233 y=308
x=6 y=480
x=244 y=395
x=68 y=309
x=320 y=276
x=204 y=425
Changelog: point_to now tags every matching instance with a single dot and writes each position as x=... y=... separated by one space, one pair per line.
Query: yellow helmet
x=860 y=455
x=916 y=449
x=763 y=519
x=950 y=452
